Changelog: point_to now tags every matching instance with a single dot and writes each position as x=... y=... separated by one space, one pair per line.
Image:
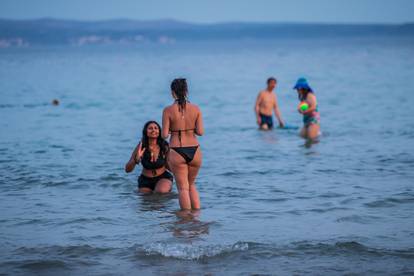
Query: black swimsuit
x=186 y=152
x=151 y=182
x=149 y=165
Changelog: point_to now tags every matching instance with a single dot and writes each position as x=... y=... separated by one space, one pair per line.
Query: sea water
x=271 y=203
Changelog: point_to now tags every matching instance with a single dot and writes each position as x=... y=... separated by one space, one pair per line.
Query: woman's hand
x=140 y=153
x=135 y=158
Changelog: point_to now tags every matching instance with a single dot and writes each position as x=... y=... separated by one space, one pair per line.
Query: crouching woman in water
x=151 y=152
x=311 y=118
x=184 y=121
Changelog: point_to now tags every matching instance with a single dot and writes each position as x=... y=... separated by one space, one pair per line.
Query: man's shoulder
x=268 y=93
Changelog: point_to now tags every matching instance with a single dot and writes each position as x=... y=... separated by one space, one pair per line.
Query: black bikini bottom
x=186 y=152
x=151 y=182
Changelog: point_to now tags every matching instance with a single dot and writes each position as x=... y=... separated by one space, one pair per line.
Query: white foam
x=193 y=252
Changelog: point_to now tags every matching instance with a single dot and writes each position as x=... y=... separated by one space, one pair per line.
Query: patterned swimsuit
x=312 y=118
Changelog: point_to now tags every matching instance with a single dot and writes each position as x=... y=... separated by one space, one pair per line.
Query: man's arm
x=277 y=112
x=257 y=108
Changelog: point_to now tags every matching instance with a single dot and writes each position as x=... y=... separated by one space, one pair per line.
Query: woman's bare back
x=183 y=125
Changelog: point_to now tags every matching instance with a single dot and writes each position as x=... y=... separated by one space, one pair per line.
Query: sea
x=272 y=202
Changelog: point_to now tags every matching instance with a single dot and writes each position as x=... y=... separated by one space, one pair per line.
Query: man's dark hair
x=271 y=79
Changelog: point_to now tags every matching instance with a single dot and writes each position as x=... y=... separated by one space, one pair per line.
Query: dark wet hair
x=180 y=88
x=302 y=96
x=271 y=79
x=160 y=141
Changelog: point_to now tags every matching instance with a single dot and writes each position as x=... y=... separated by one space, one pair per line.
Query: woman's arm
x=165 y=124
x=199 y=123
x=311 y=100
x=135 y=158
x=130 y=165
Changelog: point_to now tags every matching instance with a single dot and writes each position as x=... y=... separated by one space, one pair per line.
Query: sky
x=212 y=11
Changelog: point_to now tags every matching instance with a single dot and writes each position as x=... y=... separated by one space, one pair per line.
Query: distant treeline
x=61 y=32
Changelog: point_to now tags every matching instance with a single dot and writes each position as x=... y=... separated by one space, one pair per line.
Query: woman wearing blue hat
x=309 y=109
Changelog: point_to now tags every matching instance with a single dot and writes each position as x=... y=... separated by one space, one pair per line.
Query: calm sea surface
x=271 y=204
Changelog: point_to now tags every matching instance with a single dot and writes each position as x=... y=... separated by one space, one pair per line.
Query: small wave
x=357 y=219
x=35 y=105
x=389 y=202
x=338 y=248
x=43 y=264
x=342 y=248
x=259 y=250
x=278 y=191
x=54 y=257
x=7 y=161
x=331 y=195
x=111 y=177
x=232 y=173
x=53 y=183
x=65 y=251
x=102 y=220
x=272 y=200
x=357 y=247
x=327 y=171
x=7 y=105
x=56 y=146
x=30 y=222
x=320 y=210
x=192 y=252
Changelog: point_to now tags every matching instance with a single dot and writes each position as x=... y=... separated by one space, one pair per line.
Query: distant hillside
x=23 y=33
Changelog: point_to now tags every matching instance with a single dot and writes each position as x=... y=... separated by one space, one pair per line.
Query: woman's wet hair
x=302 y=96
x=160 y=141
x=180 y=88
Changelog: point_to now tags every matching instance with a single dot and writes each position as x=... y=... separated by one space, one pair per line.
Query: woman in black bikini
x=184 y=121
x=151 y=152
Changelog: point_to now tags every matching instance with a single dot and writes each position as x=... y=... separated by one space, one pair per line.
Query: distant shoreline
x=49 y=31
x=175 y=21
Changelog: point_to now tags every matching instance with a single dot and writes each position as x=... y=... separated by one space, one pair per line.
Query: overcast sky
x=207 y=11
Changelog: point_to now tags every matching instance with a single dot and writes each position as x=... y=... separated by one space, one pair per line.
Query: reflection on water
x=184 y=224
x=310 y=142
x=188 y=225
x=268 y=136
x=155 y=201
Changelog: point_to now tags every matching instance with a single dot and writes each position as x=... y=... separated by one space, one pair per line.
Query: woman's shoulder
x=194 y=106
x=310 y=96
x=168 y=107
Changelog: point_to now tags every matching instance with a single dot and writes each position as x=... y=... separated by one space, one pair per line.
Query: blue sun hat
x=302 y=83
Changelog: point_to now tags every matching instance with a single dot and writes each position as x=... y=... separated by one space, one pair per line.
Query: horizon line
x=208 y=23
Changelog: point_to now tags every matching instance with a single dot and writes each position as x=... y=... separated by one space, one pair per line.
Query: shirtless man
x=265 y=104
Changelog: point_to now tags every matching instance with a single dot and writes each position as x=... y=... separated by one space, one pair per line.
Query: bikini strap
x=179 y=133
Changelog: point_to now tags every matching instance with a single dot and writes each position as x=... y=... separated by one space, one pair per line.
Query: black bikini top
x=179 y=131
x=149 y=165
